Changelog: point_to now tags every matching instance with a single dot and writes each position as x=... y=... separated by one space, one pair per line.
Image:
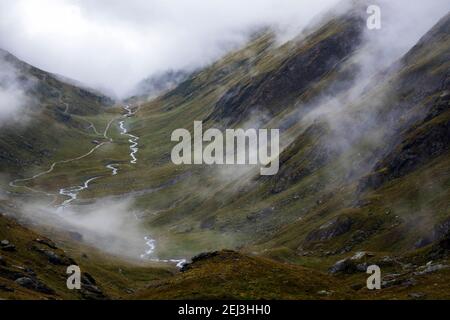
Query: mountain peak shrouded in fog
x=113 y=45
x=158 y=83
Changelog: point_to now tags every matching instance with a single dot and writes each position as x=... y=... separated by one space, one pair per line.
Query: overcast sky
x=113 y=44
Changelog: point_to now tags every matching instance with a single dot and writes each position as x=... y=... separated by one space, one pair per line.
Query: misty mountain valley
x=294 y=153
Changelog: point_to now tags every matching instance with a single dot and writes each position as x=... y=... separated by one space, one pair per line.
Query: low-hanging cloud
x=13 y=98
x=353 y=115
x=109 y=225
x=112 y=44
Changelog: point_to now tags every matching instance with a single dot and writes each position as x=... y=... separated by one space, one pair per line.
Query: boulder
x=346 y=266
x=34 y=284
x=430 y=268
x=362 y=267
x=204 y=256
x=359 y=255
x=200 y=257
x=331 y=229
x=89 y=288
x=7 y=246
x=53 y=257
x=46 y=242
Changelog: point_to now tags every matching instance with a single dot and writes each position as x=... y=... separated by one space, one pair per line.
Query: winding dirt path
x=52 y=167
x=13 y=183
x=72 y=192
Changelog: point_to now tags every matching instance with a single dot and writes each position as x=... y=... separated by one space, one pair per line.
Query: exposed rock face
x=441 y=232
x=159 y=83
x=49 y=243
x=347 y=266
x=441 y=237
x=314 y=156
x=206 y=256
x=417 y=149
x=445 y=243
x=200 y=257
x=5 y=245
x=331 y=230
x=315 y=57
x=37 y=264
x=89 y=288
x=421 y=109
x=34 y=284
x=54 y=258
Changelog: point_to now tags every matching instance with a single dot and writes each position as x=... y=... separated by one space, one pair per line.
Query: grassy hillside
x=53 y=121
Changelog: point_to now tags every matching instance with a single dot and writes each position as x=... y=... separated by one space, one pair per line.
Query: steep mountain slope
x=410 y=125
x=49 y=121
x=157 y=84
x=205 y=96
x=34 y=267
x=312 y=59
x=322 y=203
x=367 y=174
x=424 y=82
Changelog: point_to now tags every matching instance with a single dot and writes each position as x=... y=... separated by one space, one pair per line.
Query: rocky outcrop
x=89 y=288
x=5 y=245
x=315 y=57
x=419 y=113
x=330 y=230
x=356 y=263
x=34 y=284
x=200 y=257
x=411 y=154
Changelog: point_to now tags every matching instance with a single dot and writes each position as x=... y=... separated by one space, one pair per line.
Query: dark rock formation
x=333 y=229
x=34 y=284
x=316 y=57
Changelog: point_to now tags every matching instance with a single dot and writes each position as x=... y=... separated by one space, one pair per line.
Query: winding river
x=113 y=168
x=133 y=139
x=72 y=192
x=149 y=253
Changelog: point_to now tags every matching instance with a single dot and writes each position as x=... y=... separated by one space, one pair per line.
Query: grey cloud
x=115 y=44
x=13 y=98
